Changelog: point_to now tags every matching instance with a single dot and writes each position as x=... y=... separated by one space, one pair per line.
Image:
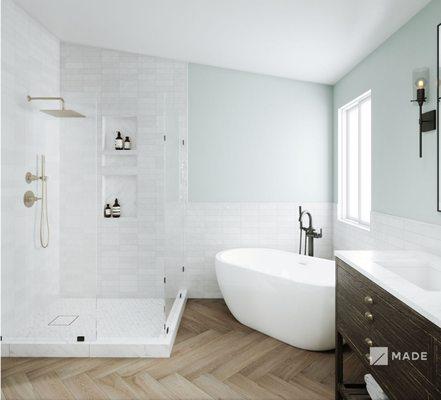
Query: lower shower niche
x=123 y=188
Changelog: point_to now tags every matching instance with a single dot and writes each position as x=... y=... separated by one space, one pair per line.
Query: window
x=354 y=161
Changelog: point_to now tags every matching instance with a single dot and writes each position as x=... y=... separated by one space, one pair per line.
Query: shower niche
x=123 y=188
x=120 y=167
x=127 y=125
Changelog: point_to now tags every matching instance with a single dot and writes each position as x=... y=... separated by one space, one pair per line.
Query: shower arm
x=60 y=99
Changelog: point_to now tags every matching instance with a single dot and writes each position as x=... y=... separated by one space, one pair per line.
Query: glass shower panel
x=173 y=210
x=79 y=217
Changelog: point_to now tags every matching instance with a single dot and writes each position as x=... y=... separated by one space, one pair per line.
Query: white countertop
x=367 y=262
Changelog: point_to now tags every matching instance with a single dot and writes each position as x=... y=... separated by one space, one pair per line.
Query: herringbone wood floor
x=214 y=357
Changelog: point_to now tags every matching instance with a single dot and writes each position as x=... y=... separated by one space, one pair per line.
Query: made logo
x=380 y=356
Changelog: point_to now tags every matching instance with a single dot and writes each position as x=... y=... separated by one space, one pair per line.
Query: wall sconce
x=427 y=120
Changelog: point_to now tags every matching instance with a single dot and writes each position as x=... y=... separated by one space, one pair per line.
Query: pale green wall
x=402 y=184
x=258 y=138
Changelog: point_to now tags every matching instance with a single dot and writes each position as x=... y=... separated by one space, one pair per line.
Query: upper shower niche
x=126 y=125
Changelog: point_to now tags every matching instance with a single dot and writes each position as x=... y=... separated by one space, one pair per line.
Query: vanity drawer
x=354 y=328
x=355 y=293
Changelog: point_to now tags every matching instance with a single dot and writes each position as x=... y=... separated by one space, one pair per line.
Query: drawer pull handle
x=368 y=300
x=369 y=316
x=369 y=342
x=368 y=357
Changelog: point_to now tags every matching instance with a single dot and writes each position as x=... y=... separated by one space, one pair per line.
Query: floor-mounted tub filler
x=288 y=296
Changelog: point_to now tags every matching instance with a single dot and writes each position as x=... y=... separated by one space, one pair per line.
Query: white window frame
x=343 y=155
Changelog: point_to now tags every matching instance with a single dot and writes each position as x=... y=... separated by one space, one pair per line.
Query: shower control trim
x=29 y=198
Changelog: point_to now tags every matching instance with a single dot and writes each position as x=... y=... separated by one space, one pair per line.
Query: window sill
x=355 y=224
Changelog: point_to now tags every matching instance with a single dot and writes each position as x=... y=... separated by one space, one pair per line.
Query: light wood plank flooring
x=214 y=357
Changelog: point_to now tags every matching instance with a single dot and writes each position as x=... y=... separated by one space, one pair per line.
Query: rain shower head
x=61 y=113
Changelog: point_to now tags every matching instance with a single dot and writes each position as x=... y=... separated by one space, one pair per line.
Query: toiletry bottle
x=127 y=144
x=119 y=145
x=107 y=211
x=116 y=209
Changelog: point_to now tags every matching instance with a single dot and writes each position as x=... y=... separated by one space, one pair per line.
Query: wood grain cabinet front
x=368 y=316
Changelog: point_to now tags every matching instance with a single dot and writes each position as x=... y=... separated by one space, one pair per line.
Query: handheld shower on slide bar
x=30 y=199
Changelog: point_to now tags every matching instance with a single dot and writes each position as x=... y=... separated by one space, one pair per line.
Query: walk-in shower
x=103 y=287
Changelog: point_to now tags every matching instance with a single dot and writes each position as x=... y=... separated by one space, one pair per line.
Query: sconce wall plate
x=429 y=121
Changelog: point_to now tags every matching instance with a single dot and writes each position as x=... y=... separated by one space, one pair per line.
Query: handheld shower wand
x=301 y=229
x=44 y=218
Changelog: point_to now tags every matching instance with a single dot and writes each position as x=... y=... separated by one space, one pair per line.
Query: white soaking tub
x=288 y=296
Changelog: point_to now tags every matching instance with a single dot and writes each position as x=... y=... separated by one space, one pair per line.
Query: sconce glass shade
x=420 y=83
x=420 y=80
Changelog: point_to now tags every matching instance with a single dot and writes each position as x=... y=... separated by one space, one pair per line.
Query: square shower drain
x=63 y=320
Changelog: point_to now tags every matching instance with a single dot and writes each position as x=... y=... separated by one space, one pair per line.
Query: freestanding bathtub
x=284 y=295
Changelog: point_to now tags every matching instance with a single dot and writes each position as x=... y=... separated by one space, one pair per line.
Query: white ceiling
x=312 y=40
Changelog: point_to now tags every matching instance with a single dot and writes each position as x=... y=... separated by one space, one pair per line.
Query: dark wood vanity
x=367 y=315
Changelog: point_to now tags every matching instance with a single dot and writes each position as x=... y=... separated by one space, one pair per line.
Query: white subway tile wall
x=213 y=227
x=388 y=232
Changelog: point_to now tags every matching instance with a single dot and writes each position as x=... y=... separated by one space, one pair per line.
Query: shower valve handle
x=29 y=198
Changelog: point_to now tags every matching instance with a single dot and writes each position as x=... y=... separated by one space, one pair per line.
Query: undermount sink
x=420 y=274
